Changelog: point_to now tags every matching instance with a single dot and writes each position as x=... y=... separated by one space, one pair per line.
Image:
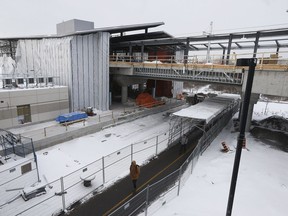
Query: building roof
x=111 y=30
x=273 y=38
x=209 y=108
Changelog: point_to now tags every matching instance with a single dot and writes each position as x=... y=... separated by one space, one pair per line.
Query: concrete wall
x=45 y=104
x=269 y=83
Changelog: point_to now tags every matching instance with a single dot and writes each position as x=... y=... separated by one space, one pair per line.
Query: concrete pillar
x=124 y=94
x=253 y=100
x=141 y=87
x=153 y=92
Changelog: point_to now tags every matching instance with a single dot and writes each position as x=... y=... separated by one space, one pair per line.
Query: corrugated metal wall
x=45 y=57
x=90 y=71
x=79 y=62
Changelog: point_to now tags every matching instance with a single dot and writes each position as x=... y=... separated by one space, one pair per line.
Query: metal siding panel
x=99 y=70
x=90 y=70
x=106 y=42
x=95 y=72
x=74 y=74
x=86 y=71
x=80 y=72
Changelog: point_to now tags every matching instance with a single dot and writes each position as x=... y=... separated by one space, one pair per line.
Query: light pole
x=251 y=62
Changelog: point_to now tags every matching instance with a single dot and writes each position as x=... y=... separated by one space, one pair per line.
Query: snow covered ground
x=262 y=182
x=262 y=186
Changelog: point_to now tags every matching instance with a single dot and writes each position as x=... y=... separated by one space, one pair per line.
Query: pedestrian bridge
x=271 y=70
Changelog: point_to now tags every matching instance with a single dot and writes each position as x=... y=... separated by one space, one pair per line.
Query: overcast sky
x=181 y=17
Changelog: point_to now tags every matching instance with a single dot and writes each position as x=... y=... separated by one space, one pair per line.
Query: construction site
x=123 y=93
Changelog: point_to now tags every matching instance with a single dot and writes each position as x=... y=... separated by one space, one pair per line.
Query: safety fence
x=53 y=128
x=154 y=196
x=69 y=189
x=265 y=60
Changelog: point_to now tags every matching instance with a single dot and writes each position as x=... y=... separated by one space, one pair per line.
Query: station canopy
x=209 y=108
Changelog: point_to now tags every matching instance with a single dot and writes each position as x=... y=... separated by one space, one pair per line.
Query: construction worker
x=183 y=143
x=134 y=173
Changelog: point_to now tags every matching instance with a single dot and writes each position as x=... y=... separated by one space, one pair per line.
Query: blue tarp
x=71 y=117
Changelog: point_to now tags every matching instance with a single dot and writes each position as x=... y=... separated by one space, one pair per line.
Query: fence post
x=180 y=171
x=45 y=132
x=131 y=152
x=63 y=193
x=157 y=145
x=147 y=200
x=103 y=167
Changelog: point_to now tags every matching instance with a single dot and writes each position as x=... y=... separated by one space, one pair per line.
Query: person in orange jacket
x=134 y=173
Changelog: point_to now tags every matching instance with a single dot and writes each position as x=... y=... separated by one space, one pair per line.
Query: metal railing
x=218 y=70
x=55 y=128
x=154 y=196
x=265 y=60
x=69 y=189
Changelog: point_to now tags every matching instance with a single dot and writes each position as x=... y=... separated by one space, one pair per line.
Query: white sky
x=182 y=17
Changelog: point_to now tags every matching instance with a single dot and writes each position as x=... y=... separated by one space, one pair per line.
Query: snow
x=262 y=187
x=208 y=109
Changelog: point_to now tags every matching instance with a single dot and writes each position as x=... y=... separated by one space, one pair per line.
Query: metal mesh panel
x=134 y=206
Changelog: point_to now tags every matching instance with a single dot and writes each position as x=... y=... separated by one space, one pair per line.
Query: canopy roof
x=209 y=108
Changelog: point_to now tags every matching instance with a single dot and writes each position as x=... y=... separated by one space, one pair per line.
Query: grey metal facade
x=90 y=71
x=79 y=62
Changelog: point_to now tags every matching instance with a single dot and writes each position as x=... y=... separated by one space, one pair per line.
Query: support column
x=256 y=42
x=141 y=87
x=229 y=48
x=186 y=51
x=253 y=100
x=124 y=94
x=142 y=52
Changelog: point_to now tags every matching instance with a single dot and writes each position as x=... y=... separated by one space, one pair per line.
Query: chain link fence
x=149 y=200
x=70 y=189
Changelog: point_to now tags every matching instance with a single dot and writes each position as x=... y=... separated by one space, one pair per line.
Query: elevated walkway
x=271 y=74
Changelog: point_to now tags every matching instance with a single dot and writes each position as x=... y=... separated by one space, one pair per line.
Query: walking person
x=134 y=173
x=183 y=143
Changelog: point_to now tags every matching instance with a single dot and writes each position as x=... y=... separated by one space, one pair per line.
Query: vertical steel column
x=36 y=161
x=147 y=200
x=278 y=47
x=223 y=54
x=186 y=51
x=131 y=152
x=142 y=52
x=229 y=48
x=63 y=193
x=256 y=44
x=103 y=168
x=252 y=64
x=130 y=50
x=156 y=145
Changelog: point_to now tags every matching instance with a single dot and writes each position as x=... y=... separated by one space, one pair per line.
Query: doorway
x=24 y=114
